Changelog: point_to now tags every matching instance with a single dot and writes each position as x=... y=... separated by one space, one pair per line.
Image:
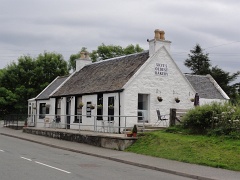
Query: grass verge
x=196 y=149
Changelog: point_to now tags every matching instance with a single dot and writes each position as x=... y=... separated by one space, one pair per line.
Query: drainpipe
x=119 y=113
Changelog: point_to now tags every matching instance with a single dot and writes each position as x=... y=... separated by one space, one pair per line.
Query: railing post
x=172 y=117
x=94 y=123
x=79 y=123
x=125 y=126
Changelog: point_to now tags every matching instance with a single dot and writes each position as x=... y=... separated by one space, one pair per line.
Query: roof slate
x=105 y=76
x=203 y=85
x=54 y=85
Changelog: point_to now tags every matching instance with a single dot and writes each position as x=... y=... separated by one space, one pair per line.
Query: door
x=68 y=111
x=143 y=110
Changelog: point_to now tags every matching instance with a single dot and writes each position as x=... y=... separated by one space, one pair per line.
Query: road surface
x=23 y=160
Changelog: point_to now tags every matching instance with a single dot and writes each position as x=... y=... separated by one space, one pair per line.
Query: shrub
x=215 y=118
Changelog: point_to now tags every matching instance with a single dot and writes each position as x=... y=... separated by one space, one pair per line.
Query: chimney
x=158 y=41
x=83 y=60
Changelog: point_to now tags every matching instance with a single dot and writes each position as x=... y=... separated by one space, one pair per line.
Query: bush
x=216 y=118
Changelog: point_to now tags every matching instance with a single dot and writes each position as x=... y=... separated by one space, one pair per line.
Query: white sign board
x=161 y=69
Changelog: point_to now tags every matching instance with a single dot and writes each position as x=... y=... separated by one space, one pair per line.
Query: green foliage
x=210 y=151
x=198 y=62
x=27 y=78
x=216 y=118
x=110 y=51
x=134 y=130
x=223 y=79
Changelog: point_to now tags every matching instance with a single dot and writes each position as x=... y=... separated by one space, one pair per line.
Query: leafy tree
x=224 y=79
x=198 y=62
x=104 y=52
x=110 y=51
x=27 y=78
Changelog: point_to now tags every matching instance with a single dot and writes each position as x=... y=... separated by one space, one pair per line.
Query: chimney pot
x=162 y=33
x=157 y=34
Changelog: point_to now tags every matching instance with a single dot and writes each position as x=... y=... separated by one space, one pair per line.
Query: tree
x=110 y=51
x=198 y=62
x=27 y=78
x=224 y=79
x=104 y=52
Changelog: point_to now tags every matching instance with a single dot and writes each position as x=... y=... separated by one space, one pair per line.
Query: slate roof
x=204 y=86
x=51 y=87
x=104 y=76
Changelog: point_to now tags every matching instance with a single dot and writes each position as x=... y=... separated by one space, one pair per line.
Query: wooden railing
x=176 y=116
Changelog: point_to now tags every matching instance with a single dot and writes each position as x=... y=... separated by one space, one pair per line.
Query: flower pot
x=177 y=101
x=159 y=99
x=129 y=134
x=134 y=134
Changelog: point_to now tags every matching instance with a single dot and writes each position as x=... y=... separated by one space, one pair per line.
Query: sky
x=30 y=27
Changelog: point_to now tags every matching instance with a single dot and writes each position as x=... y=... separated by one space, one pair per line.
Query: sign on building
x=161 y=69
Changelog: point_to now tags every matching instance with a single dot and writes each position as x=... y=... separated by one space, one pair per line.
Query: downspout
x=119 y=113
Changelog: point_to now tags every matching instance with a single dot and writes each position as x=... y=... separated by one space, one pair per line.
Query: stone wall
x=117 y=143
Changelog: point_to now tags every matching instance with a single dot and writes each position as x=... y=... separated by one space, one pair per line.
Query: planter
x=129 y=134
x=92 y=106
x=99 y=106
x=134 y=134
x=111 y=107
x=177 y=100
x=192 y=99
x=159 y=99
x=80 y=105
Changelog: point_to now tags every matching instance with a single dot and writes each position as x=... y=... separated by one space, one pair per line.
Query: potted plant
x=192 y=99
x=25 y=123
x=177 y=100
x=129 y=134
x=80 y=105
x=111 y=106
x=99 y=106
x=134 y=131
x=159 y=98
x=92 y=106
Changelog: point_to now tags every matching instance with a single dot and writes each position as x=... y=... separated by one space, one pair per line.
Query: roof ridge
x=119 y=57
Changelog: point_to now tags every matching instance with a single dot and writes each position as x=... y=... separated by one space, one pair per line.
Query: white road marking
x=52 y=167
x=1 y=150
x=26 y=159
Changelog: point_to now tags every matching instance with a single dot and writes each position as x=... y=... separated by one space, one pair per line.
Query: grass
x=217 y=152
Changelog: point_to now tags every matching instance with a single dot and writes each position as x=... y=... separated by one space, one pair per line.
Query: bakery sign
x=161 y=69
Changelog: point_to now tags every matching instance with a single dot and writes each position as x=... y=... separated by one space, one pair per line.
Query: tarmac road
x=24 y=160
x=145 y=162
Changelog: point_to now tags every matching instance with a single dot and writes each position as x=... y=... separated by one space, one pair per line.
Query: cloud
x=32 y=26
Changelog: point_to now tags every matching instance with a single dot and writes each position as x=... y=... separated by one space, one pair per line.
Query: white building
x=125 y=87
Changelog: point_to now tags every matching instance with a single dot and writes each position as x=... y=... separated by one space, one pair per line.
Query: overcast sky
x=30 y=27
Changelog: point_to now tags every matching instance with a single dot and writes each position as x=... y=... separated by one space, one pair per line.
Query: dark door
x=68 y=112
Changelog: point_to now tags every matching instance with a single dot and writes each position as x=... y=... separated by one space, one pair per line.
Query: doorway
x=68 y=111
x=143 y=107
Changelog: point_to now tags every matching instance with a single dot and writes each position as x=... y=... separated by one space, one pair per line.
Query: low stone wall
x=117 y=143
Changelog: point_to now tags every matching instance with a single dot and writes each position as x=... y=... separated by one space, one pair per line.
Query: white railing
x=108 y=124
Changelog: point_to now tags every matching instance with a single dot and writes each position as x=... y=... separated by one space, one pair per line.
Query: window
x=42 y=110
x=100 y=106
x=58 y=110
x=88 y=109
x=110 y=108
x=78 y=110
